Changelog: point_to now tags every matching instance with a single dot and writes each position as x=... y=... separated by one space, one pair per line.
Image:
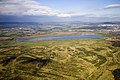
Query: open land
x=75 y=59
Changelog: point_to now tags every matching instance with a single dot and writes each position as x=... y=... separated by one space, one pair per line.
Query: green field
x=76 y=59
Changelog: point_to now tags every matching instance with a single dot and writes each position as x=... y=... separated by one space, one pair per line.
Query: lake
x=57 y=38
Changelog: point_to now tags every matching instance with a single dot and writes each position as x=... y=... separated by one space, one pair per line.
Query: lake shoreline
x=57 y=38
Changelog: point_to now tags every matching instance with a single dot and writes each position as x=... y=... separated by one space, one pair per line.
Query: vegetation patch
x=89 y=59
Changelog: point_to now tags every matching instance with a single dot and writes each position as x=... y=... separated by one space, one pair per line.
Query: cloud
x=112 y=6
x=25 y=7
x=30 y=8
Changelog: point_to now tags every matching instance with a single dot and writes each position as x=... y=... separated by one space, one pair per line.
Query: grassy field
x=76 y=59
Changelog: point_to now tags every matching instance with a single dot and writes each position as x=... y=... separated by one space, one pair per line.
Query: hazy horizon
x=59 y=10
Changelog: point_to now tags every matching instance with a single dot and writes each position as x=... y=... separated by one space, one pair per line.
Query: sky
x=59 y=10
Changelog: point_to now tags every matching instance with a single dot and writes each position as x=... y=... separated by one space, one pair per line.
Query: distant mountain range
x=38 y=23
x=110 y=22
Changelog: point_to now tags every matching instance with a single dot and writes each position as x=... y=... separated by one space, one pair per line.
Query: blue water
x=57 y=38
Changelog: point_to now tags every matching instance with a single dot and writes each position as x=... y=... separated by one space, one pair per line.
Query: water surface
x=58 y=38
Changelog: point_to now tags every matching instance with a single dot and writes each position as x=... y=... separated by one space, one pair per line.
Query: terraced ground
x=76 y=59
